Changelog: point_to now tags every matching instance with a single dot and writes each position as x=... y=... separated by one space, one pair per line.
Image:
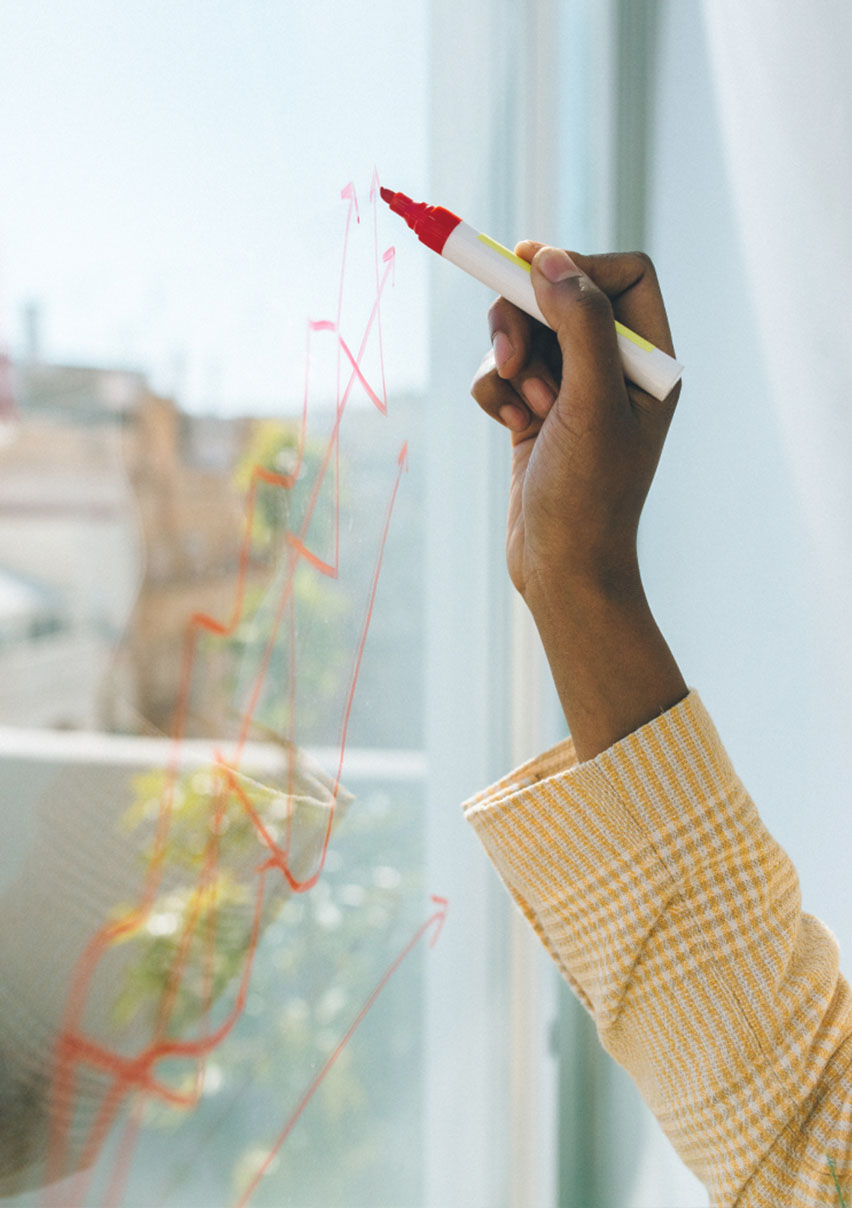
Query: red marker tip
x=431 y=224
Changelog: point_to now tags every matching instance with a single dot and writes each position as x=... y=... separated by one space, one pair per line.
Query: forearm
x=585 y=446
x=610 y=663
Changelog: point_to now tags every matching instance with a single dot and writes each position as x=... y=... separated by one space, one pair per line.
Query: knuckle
x=499 y=315
x=482 y=386
x=506 y=317
x=477 y=390
x=643 y=263
x=477 y=393
x=593 y=302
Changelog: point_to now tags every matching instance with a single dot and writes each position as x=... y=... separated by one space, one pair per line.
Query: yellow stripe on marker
x=631 y=335
x=504 y=251
x=639 y=341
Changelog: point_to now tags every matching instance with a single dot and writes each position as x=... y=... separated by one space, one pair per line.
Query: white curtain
x=782 y=72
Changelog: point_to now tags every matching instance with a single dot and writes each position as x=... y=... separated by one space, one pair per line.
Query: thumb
x=582 y=318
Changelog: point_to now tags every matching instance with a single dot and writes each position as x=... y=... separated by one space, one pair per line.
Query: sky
x=174 y=171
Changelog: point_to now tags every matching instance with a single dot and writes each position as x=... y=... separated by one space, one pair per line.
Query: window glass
x=214 y=922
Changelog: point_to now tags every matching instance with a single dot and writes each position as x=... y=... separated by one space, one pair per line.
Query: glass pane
x=214 y=923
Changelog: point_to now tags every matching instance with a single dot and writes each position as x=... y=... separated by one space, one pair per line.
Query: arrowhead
x=389 y=257
x=375 y=184
x=348 y=194
x=438 y=917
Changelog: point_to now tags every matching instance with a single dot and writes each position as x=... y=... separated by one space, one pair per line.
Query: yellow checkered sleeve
x=676 y=918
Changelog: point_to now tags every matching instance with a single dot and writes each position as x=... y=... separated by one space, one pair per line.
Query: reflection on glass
x=208 y=626
x=211 y=770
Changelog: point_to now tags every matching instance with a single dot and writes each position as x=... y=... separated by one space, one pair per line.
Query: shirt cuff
x=591 y=851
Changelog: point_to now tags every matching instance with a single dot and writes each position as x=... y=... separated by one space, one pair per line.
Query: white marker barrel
x=509 y=275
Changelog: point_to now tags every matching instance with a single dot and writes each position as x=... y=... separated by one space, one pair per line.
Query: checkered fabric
x=676 y=918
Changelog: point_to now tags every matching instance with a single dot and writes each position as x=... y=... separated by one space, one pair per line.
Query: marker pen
x=497 y=267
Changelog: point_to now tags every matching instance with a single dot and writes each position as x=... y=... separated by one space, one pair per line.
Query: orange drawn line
x=331 y=448
x=435 y=920
x=278 y=858
x=136 y=1074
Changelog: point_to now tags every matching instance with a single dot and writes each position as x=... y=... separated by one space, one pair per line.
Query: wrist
x=581 y=594
x=611 y=666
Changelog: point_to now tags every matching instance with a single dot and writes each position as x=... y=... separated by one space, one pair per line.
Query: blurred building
x=191 y=517
x=119 y=519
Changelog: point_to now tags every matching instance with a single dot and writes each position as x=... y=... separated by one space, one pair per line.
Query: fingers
x=511 y=337
x=523 y=358
x=581 y=315
x=518 y=380
x=629 y=280
x=581 y=297
x=520 y=404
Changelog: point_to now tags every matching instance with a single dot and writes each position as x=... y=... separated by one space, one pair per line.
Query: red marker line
x=435 y=920
x=278 y=858
x=135 y=1076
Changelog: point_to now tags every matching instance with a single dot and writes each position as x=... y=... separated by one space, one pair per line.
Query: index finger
x=629 y=280
x=511 y=334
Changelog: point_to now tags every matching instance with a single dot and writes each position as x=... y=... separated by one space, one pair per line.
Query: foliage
x=317 y=963
x=193 y=940
x=321 y=952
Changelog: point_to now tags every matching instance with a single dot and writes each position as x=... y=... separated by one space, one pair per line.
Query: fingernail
x=538 y=395
x=557 y=265
x=513 y=417
x=503 y=348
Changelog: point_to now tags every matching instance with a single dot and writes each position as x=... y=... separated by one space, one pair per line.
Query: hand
x=585 y=446
x=585 y=442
